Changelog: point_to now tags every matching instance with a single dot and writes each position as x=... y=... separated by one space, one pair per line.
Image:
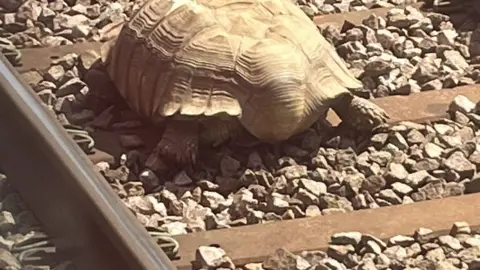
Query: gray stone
x=346 y=238
x=415 y=137
x=435 y=255
x=423 y=235
x=386 y=38
x=213 y=257
x=432 y=150
x=8 y=261
x=447 y=37
x=459 y=163
x=398 y=140
x=294 y=172
x=401 y=188
x=340 y=252
x=443 y=129
x=281 y=259
x=374 y=184
x=381 y=157
x=334 y=201
x=305 y=197
x=444 y=265
x=396 y=172
x=417 y=179
x=55 y=74
x=460 y=227
x=312 y=211
x=377 y=68
x=435 y=84
x=462 y=104
x=397 y=253
x=401 y=240
x=7 y=222
x=426 y=164
x=450 y=242
x=314 y=187
x=389 y=196
x=212 y=199
x=472 y=242
x=378 y=140
x=470 y=254
x=140 y=204
x=175 y=228
x=455 y=60
x=277 y=204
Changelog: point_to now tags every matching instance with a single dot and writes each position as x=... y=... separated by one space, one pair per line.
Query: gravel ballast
x=23 y=243
x=424 y=249
x=320 y=172
x=32 y=23
x=408 y=52
x=316 y=173
x=402 y=164
x=44 y=23
x=324 y=7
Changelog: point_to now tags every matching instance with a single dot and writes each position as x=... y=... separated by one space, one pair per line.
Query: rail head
x=69 y=197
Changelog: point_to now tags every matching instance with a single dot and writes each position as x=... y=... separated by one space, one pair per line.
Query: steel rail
x=56 y=179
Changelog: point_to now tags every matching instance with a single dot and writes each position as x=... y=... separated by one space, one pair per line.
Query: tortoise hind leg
x=102 y=92
x=359 y=113
x=178 y=147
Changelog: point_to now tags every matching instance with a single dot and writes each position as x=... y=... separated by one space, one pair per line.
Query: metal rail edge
x=57 y=181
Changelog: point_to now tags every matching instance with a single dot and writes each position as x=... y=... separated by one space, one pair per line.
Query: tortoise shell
x=261 y=61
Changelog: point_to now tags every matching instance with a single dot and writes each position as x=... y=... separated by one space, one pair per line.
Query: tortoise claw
x=178 y=147
x=156 y=163
x=364 y=115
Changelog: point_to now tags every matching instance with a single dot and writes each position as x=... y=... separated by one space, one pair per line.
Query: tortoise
x=210 y=68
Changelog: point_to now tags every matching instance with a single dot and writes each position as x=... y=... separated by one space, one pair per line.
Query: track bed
x=250 y=201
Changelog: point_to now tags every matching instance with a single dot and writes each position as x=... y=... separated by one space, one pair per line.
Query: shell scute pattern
x=262 y=61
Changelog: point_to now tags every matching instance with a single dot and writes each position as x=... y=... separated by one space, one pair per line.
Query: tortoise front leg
x=178 y=147
x=359 y=113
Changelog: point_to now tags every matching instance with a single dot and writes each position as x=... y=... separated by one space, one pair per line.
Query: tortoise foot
x=157 y=163
x=178 y=147
x=359 y=113
x=365 y=115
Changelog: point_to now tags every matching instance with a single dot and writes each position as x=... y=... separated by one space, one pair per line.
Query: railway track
x=87 y=220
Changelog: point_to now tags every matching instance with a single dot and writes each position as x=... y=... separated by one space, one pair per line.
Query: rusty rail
x=75 y=204
x=104 y=227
